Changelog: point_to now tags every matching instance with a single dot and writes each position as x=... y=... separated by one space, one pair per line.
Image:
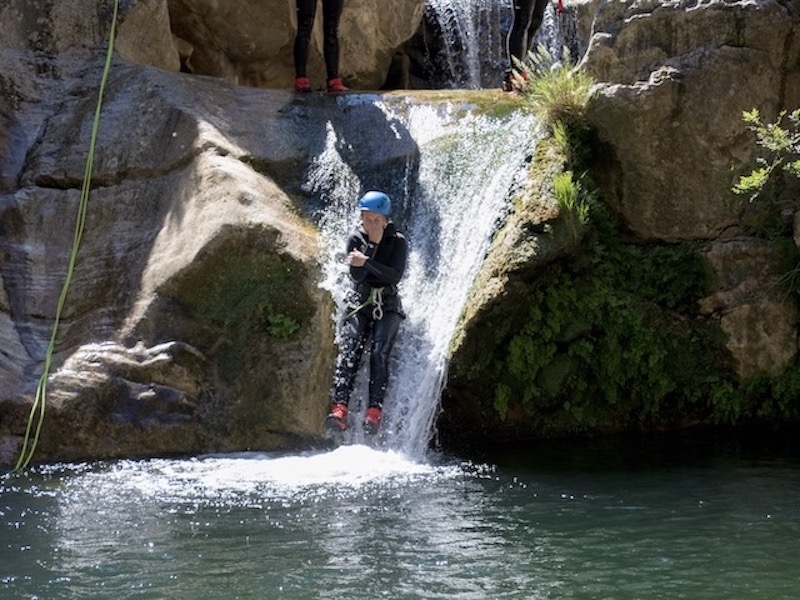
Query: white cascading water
x=473 y=45
x=473 y=51
x=466 y=170
x=448 y=201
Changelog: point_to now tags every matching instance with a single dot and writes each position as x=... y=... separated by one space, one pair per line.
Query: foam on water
x=250 y=479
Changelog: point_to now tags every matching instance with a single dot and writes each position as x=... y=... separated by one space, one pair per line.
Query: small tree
x=782 y=147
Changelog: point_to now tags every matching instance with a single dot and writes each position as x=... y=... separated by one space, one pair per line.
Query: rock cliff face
x=191 y=260
x=194 y=321
x=250 y=41
x=674 y=79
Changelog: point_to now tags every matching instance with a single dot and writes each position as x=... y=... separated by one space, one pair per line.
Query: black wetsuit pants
x=355 y=333
x=528 y=15
x=331 y=12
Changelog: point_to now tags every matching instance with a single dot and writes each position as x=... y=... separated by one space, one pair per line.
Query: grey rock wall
x=675 y=80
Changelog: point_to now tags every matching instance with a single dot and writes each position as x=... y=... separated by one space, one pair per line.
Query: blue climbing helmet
x=376 y=202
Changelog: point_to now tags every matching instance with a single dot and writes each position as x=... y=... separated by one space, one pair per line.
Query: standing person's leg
x=331 y=13
x=536 y=21
x=517 y=40
x=306 y=11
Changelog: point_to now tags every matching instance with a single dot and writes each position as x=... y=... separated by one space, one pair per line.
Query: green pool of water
x=629 y=521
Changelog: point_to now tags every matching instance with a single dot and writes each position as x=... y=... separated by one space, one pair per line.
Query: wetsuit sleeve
x=391 y=273
x=356 y=242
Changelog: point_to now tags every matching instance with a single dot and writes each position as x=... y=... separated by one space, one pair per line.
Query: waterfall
x=466 y=46
x=448 y=199
x=469 y=46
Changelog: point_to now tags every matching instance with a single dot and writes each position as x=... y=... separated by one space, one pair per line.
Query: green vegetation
x=601 y=346
x=558 y=94
x=574 y=209
x=246 y=294
x=782 y=146
x=556 y=91
x=768 y=397
x=492 y=104
x=609 y=337
x=282 y=326
x=765 y=398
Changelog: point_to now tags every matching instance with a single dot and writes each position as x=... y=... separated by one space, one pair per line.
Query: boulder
x=749 y=296
x=194 y=303
x=250 y=42
x=675 y=79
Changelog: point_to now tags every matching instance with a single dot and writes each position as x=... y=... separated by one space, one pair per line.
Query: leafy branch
x=782 y=146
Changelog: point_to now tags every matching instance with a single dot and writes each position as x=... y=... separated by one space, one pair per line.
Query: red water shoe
x=337 y=418
x=335 y=86
x=372 y=420
x=302 y=85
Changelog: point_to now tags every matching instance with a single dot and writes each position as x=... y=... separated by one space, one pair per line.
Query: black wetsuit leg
x=306 y=11
x=355 y=331
x=384 y=332
x=331 y=13
x=528 y=16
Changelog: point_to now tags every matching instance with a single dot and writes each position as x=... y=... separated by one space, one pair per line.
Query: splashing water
x=251 y=479
x=448 y=202
x=560 y=520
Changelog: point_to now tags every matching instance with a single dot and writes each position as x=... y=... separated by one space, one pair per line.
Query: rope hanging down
x=39 y=402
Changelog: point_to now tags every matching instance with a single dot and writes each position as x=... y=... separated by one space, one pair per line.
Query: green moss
x=492 y=103
x=610 y=341
x=245 y=292
x=246 y=289
x=673 y=276
x=593 y=355
x=762 y=399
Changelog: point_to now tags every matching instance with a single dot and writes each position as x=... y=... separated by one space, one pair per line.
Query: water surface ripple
x=363 y=523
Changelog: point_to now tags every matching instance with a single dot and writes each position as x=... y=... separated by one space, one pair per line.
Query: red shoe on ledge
x=302 y=85
x=372 y=420
x=335 y=86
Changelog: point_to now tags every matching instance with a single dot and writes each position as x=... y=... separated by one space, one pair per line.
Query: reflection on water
x=361 y=523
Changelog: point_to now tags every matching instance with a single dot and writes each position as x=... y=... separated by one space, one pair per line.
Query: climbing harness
x=375 y=299
x=38 y=407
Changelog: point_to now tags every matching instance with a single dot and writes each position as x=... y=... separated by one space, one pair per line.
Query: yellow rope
x=29 y=444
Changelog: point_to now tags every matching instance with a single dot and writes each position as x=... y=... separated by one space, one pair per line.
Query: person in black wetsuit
x=331 y=12
x=528 y=15
x=376 y=253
